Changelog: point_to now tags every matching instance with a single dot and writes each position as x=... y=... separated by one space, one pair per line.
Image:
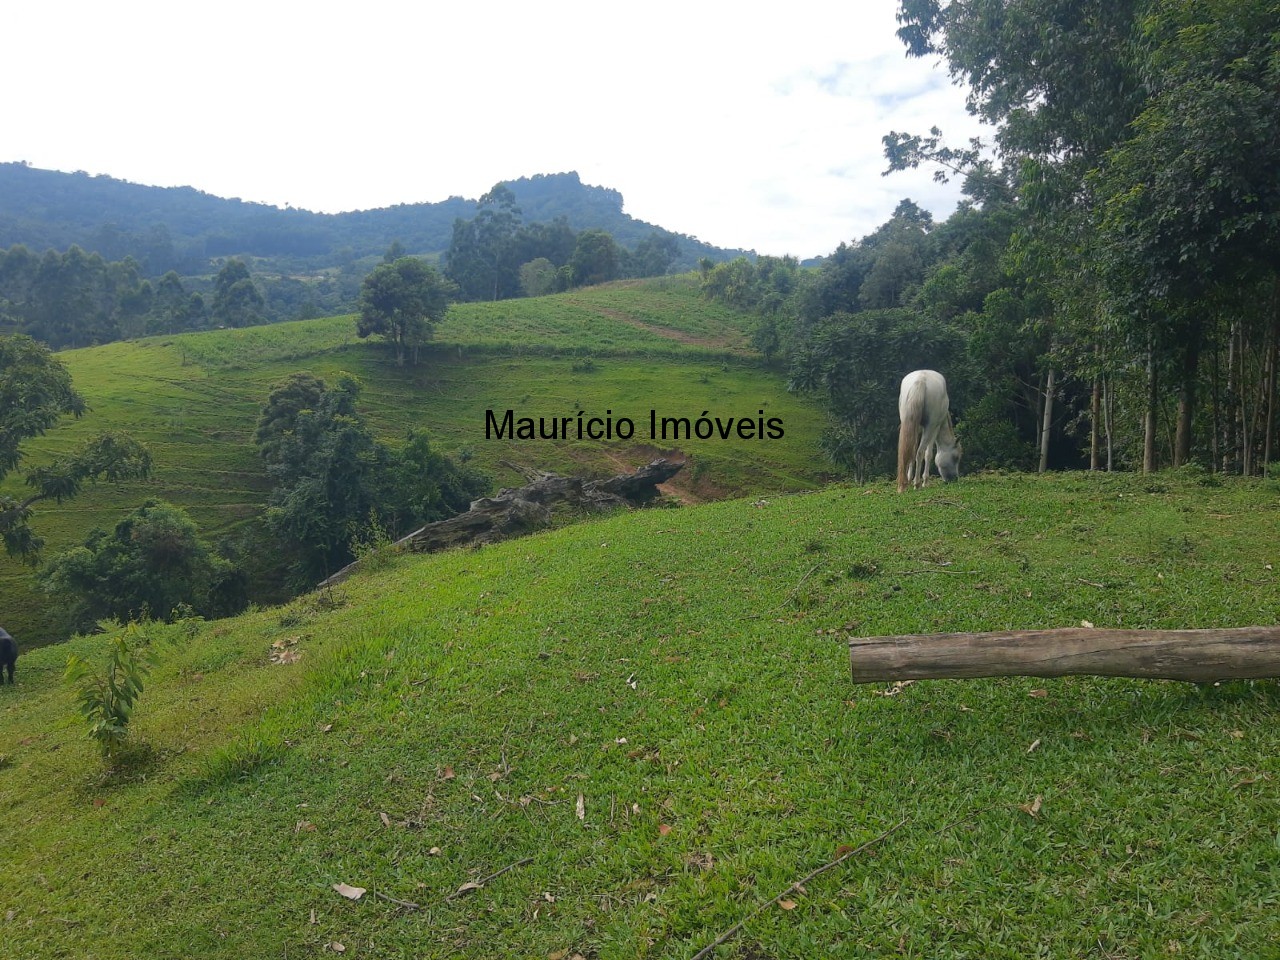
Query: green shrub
x=107 y=699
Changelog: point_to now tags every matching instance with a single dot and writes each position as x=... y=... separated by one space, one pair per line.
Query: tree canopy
x=151 y=564
x=35 y=393
x=402 y=302
x=335 y=485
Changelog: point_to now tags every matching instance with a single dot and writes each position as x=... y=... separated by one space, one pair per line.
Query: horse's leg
x=928 y=439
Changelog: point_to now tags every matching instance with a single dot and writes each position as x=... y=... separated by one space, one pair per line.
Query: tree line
x=77 y=299
x=1108 y=295
x=497 y=256
x=183 y=229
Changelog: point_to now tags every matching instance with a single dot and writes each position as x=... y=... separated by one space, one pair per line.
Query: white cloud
x=760 y=131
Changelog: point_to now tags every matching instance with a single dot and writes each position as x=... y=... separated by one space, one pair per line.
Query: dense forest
x=91 y=259
x=183 y=229
x=1109 y=294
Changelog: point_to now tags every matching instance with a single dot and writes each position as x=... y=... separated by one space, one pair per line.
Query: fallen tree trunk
x=1242 y=653
x=514 y=512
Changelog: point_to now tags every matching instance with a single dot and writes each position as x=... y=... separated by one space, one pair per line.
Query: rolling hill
x=626 y=737
x=181 y=228
x=628 y=348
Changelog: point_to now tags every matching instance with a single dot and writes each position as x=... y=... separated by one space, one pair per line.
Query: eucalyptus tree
x=1191 y=213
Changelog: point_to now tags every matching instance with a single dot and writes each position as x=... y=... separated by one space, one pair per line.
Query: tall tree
x=402 y=302
x=1058 y=80
x=237 y=302
x=595 y=258
x=483 y=257
x=1190 y=219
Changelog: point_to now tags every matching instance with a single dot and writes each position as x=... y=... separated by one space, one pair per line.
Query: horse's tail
x=909 y=432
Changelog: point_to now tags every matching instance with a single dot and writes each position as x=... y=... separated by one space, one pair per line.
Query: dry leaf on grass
x=664 y=829
x=1032 y=809
x=348 y=891
x=787 y=904
x=581 y=808
x=893 y=691
x=282 y=650
x=467 y=888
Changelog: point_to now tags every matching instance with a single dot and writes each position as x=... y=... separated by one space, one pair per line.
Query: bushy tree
x=152 y=563
x=595 y=259
x=538 y=277
x=237 y=302
x=855 y=363
x=654 y=255
x=334 y=480
x=402 y=302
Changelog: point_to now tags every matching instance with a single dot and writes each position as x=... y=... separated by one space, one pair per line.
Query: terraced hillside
x=628 y=348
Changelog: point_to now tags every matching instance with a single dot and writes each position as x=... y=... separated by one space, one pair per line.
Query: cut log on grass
x=515 y=512
x=1243 y=653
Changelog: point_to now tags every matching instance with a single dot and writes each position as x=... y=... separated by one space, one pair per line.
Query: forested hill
x=181 y=228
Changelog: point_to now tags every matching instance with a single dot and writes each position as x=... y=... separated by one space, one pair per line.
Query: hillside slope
x=634 y=732
x=181 y=228
x=627 y=348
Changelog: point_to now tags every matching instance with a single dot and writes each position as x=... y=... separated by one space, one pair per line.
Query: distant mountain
x=183 y=229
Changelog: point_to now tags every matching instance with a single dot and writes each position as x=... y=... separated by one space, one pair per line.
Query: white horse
x=924 y=409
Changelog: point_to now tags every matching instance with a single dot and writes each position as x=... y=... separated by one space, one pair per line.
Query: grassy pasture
x=194 y=400
x=648 y=718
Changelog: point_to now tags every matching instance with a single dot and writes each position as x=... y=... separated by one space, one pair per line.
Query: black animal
x=8 y=653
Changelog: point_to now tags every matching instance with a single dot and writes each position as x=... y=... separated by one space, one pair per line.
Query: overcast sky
x=745 y=129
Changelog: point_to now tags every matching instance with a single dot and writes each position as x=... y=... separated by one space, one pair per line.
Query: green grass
x=686 y=673
x=195 y=399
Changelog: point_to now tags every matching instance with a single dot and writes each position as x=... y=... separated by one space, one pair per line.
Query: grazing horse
x=924 y=409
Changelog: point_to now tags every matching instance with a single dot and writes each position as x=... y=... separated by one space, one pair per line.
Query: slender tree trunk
x=1108 y=413
x=1214 y=463
x=1037 y=407
x=1047 y=423
x=1230 y=437
x=1246 y=422
x=1149 y=425
x=1095 y=413
x=1186 y=402
x=1272 y=358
